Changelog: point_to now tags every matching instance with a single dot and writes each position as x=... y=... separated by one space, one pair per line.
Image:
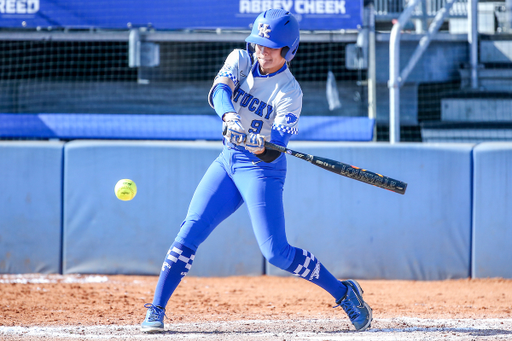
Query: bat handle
x=274 y=146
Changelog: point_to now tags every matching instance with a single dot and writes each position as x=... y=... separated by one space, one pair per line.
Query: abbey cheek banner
x=174 y=14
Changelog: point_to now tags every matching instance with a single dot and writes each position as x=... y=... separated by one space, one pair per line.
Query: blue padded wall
x=492 y=213
x=166 y=127
x=361 y=231
x=105 y=235
x=356 y=230
x=30 y=206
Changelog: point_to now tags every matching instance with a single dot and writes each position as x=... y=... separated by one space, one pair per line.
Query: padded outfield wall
x=105 y=235
x=362 y=231
x=492 y=213
x=31 y=206
x=59 y=213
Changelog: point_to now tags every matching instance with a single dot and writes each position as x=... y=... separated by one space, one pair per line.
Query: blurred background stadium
x=423 y=72
x=52 y=65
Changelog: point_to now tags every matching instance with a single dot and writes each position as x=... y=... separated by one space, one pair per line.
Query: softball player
x=258 y=99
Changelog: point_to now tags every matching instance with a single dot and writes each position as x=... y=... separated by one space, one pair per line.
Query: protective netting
x=94 y=77
x=90 y=71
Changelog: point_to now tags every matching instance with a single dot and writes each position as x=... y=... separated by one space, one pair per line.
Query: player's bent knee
x=278 y=261
x=193 y=233
x=281 y=257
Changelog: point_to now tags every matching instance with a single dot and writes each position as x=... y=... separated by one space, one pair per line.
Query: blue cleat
x=154 y=321
x=358 y=311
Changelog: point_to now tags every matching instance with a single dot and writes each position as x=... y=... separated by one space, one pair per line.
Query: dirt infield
x=282 y=307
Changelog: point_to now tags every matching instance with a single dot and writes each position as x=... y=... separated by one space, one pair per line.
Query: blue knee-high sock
x=177 y=263
x=307 y=266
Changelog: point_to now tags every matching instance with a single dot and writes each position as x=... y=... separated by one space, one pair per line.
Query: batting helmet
x=275 y=28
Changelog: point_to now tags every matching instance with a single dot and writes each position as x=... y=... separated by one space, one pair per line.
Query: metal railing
x=390 y=9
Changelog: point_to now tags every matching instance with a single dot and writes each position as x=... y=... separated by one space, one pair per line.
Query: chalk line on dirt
x=263 y=330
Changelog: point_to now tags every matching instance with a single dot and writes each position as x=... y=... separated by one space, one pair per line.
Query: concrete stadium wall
x=60 y=198
x=361 y=231
x=492 y=214
x=30 y=206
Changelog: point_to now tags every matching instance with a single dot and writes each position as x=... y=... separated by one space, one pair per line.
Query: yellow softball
x=125 y=189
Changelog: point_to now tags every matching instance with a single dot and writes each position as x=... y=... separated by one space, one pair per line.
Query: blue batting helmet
x=275 y=28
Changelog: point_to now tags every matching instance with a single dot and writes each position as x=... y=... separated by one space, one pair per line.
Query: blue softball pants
x=231 y=180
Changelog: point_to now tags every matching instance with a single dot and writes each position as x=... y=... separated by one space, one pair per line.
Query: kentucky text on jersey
x=299 y=6
x=252 y=103
x=19 y=6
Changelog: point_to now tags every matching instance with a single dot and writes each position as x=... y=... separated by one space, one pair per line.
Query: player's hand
x=255 y=143
x=232 y=128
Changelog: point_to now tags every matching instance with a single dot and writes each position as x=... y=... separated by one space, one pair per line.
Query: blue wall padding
x=361 y=231
x=167 y=127
x=335 y=128
x=30 y=206
x=105 y=235
x=492 y=210
x=111 y=126
x=355 y=229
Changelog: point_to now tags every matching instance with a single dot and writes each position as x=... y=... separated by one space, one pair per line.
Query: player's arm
x=277 y=137
x=231 y=72
x=231 y=126
x=255 y=143
x=284 y=126
x=221 y=99
x=220 y=96
x=221 y=93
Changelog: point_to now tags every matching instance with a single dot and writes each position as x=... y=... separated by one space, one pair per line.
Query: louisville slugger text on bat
x=346 y=170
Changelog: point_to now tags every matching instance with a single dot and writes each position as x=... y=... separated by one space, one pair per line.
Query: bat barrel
x=362 y=175
x=346 y=170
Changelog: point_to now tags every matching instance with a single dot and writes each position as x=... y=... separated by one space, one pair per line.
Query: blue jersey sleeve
x=280 y=137
x=233 y=72
x=222 y=99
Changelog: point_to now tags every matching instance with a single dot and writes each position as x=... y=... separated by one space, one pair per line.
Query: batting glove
x=232 y=128
x=255 y=143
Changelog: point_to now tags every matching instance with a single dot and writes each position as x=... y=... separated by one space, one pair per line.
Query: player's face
x=270 y=59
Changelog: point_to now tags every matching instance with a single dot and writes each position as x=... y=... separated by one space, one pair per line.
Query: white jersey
x=263 y=103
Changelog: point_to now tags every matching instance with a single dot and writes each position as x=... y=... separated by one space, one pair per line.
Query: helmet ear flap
x=295 y=51
x=250 y=48
x=287 y=54
x=284 y=51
